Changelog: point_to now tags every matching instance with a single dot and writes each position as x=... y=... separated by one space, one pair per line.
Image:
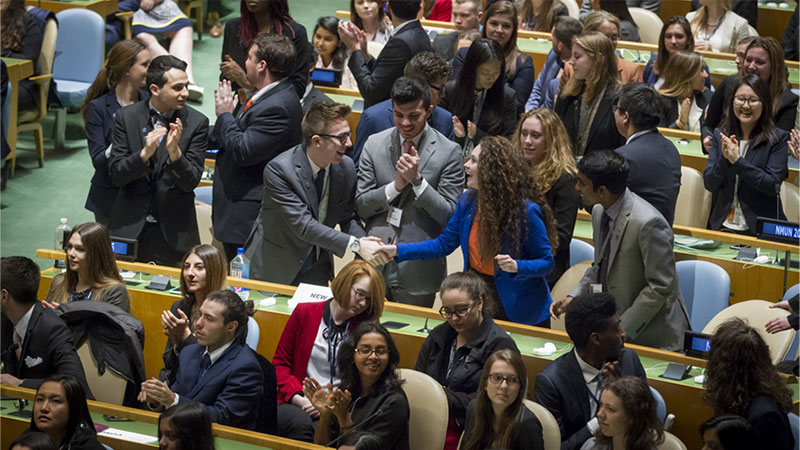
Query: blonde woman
x=539 y=15
x=543 y=142
x=609 y=25
x=585 y=105
x=716 y=27
x=684 y=92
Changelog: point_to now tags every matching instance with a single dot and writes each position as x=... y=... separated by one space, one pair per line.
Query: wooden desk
x=102 y=7
x=142 y=422
x=18 y=69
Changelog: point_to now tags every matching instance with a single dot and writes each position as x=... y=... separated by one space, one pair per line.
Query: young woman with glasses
x=454 y=352
x=497 y=418
x=370 y=398
x=313 y=339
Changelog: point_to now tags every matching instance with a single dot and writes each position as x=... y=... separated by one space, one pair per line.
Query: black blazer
x=564 y=200
x=231 y=45
x=672 y=110
x=100 y=114
x=375 y=77
x=771 y=424
x=655 y=171
x=603 y=134
x=508 y=122
x=560 y=388
x=526 y=432
x=444 y=45
x=247 y=143
x=761 y=172
x=47 y=349
x=157 y=187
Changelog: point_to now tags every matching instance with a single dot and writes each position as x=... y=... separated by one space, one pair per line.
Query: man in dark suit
x=312 y=94
x=428 y=67
x=250 y=135
x=35 y=342
x=308 y=190
x=570 y=386
x=156 y=160
x=467 y=16
x=219 y=371
x=376 y=76
x=654 y=162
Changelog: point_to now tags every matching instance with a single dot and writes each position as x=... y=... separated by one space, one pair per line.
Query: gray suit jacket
x=641 y=274
x=288 y=226
x=423 y=218
x=313 y=96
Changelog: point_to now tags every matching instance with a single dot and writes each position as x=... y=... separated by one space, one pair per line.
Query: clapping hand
x=458 y=128
x=155 y=391
x=233 y=72
x=683 y=119
x=224 y=100
x=506 y=263
x=173 y=137
x=352 y=37
x=794 y=143
x=730 y=148
x=320 y=398
x=176 y=328
x=151 y=142
x=407 y=169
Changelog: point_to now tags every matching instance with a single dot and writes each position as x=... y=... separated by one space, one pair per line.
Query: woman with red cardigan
x=311 y=340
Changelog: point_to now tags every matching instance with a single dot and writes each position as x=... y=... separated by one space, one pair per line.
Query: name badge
x=394 y=215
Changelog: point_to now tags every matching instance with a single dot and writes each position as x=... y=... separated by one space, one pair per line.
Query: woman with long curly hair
x=542 y=140
x=741 y=380
x=497 y=418
x=506 y=232
x=370 y=395
x=21 y=38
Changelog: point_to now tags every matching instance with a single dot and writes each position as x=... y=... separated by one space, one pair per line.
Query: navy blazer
x=525 y=295
x=380 y=117
x=561 y=389
x=761 y=172
x=771 y=424
x=375 y=77
x=231 y=388
x=247 y=143
x=603 y=133
x=100 y=115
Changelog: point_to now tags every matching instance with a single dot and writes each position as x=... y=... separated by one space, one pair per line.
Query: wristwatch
x=355 y=246
x=417 y=182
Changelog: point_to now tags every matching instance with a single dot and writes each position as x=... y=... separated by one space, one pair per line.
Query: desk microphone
x=424 y=328
x=353 y=428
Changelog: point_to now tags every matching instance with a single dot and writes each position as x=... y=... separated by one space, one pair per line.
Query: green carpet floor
x=36 y=198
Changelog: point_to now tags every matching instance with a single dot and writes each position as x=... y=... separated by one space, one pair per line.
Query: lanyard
x=719 y=22
x=334 y=344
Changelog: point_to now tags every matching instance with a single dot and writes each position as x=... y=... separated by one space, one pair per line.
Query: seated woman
x=481 y=103
x=33 y=440
x=628 y=31
x=165 y=17
x=263 y=17
x=369 y=17
x=369 y=396
x=21 y=38
x=676 y=36
x=684 y=92
x=185 y=426
x=497 y=418
x=60 y=411
x=118 y=84
x=539 y=15
x=609 y=25
x=728 y=432
x=741 y=380
x=500 y=25
x=505 y=230
x=627 y=417
x=312 y=341
x=586 y=102
x=716 y=27
x=542 y=140
x=92 y=272
x=203 y=270
x=332 y=52
x=748 y=158
x=763 y=57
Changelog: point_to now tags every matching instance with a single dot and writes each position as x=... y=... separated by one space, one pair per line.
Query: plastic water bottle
x=62 y=231
x=240 y=268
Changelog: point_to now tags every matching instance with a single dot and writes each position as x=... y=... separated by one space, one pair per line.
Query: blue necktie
x=204 y=365
x=319 y=183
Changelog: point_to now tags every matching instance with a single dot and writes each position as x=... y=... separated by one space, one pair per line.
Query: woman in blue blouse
x=506 y=232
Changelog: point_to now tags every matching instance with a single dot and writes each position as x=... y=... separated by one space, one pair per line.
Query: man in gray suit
x=308 y=190
x=409 y=180
x=633 y=255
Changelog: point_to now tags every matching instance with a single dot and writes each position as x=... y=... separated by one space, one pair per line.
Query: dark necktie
x=606 y=240
x=599 y=394
x=204 y=365
x=319 y=183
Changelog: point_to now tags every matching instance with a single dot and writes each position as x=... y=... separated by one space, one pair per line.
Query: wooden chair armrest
x=41 y=80
x=124 y=15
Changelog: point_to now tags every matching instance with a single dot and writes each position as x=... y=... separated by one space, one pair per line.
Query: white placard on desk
x=128 y=436
x=307 y=293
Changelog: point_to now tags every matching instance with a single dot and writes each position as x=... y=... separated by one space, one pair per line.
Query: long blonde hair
x=559 y=157
x=604 y=71
x=679 y=73
x=701 y=17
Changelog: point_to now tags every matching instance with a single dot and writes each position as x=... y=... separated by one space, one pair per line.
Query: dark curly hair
x=643 y=430
x=739 y=369
x=351 y=380
x=13 y=26
x=505 y=184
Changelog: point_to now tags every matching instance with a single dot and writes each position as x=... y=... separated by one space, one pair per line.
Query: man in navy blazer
x=428 y=67
x=220 y=371
x=654 y=162
x=376 y=76
x=250 y=135
x=570 y=386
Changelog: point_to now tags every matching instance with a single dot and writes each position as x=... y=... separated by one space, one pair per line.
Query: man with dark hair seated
x=570 y=386
x=35 y=342
x=654 y=162
x=219 y=371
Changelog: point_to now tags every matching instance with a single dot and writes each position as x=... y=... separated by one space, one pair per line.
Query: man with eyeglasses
x=308 y=190
x=409 y=181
